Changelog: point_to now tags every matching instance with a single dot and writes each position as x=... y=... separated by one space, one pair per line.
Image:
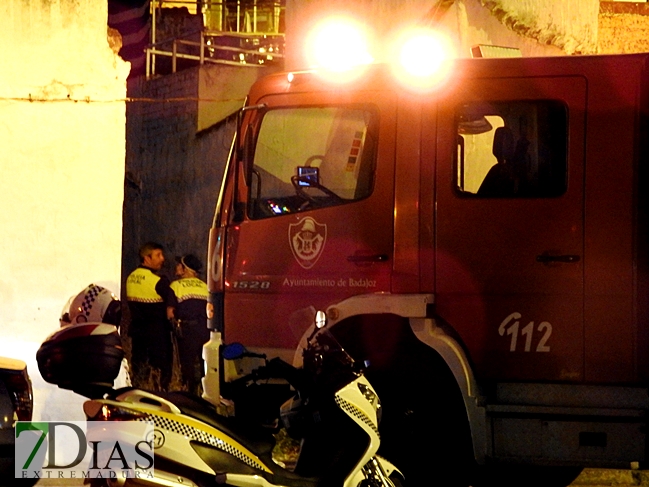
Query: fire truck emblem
x=307 y=240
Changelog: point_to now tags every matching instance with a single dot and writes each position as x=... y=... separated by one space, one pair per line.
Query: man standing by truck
x=148 y=295
x=188 y=310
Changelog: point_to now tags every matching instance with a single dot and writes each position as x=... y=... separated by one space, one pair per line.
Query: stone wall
x=537 y=27
x=570 y=25
x=623 y=27
x=62 y=117
x=174 y=163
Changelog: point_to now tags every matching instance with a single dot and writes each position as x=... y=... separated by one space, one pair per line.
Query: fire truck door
x=318 y=226
x=509 y=225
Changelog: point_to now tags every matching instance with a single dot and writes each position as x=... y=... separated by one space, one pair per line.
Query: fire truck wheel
x=424 y=427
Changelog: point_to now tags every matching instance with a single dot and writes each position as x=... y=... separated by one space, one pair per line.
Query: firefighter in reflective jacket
x=148 y=296
x=189 y=314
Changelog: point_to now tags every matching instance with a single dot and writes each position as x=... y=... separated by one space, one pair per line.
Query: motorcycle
x=333 y=415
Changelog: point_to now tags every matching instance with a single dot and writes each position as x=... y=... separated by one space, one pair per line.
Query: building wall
x=179 y=137
x=62 y=137
x=623 y=27
x=537 y=27
x=570 y=25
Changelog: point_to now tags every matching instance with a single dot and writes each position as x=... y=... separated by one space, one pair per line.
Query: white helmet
x=95 y=304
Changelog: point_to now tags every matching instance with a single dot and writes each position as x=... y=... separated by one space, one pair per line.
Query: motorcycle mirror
x=233 y=351
x=320 y=320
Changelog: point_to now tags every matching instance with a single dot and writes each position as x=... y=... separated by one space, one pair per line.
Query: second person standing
x=188 y=310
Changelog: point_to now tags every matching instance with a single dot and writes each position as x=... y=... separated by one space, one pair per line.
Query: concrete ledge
x=612 y=477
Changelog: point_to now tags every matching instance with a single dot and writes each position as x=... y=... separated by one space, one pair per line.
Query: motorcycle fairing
x=258 y=440
x=205 y=434
x=361 y=405
x=254 y=438
x=180 y=429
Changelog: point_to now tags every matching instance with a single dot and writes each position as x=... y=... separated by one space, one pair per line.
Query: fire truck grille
x=352 y=410
x=202 y=437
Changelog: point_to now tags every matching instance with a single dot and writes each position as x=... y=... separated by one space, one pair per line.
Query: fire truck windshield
x=311 y=157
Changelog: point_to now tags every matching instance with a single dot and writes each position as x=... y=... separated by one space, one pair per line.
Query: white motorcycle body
x=334 y=413
x=175 y=431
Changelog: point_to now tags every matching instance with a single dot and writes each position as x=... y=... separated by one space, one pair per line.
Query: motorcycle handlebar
x=275 y=368
x=278 y=369
x=254 y=355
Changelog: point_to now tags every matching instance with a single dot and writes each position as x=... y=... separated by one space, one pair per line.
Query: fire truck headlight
x=338 y=45
x=423 y=59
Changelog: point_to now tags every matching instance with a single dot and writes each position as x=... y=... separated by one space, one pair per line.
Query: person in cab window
x=148 y=295
x=499 y=181
x=188 y=312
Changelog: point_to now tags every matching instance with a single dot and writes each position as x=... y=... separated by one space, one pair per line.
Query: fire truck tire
x=425 y=431
x=425 y=428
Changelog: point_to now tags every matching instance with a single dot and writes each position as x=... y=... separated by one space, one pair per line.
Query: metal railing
x=237 y=33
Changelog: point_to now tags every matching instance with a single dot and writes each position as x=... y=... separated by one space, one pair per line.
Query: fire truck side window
x=311 y=157
x=512 y=149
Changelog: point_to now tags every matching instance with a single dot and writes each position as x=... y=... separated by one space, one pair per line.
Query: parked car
x=16 y=404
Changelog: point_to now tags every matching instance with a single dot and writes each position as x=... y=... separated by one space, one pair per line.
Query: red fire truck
x=481 y=244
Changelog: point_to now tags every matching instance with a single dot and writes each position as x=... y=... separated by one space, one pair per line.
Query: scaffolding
x=239 y=33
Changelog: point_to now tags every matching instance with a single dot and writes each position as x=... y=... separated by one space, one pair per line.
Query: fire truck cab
x=482 y=246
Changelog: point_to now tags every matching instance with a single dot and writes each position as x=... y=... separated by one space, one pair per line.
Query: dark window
x=512 y=149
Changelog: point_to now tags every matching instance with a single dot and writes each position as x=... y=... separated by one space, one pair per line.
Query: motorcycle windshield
x=327 y=361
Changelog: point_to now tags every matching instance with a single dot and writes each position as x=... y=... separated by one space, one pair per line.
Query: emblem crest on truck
x=307 y=240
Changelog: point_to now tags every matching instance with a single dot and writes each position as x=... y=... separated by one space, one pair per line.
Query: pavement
x=60 y=482
x=590 y=477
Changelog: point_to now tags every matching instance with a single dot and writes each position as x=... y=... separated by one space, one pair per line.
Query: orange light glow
x=423 y=59
x=338 y=45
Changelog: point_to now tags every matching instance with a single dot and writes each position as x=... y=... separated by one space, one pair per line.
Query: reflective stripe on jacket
x=189 y=288
x=141 y=286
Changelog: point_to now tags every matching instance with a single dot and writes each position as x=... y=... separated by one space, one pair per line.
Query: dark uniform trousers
x=150 y=331
x=191 y=298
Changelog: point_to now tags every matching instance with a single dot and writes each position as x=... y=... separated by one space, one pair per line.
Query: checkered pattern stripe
x=201 y=437
x=146 y=300
x=91 y=294
x=185 y=297
x=352 y=410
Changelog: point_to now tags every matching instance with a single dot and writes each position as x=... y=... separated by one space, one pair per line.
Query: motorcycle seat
x=254 y=437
